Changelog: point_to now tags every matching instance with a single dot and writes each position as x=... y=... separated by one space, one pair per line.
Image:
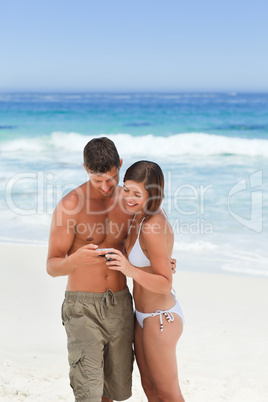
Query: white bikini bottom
x=167 y=313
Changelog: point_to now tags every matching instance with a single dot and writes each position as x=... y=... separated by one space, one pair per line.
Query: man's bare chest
x=101 y=228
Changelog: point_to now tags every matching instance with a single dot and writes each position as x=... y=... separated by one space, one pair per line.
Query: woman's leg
x=159 y=349
x=146 y=379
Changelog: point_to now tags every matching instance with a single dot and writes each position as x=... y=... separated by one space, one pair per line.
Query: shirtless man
x=97 y=311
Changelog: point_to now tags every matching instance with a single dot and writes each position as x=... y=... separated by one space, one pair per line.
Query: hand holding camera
x=106 y=250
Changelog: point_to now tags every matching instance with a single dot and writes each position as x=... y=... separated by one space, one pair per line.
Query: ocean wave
x=197 y=246
x=188 y=144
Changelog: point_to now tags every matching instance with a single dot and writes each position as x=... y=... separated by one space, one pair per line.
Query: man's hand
x=86 y=256
x=173 y=265
x=83 y=257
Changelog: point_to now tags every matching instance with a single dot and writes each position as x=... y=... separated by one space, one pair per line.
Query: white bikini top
x=136 y=256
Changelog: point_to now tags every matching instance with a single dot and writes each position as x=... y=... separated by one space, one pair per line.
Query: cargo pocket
x=67 y=309
x=78 y=378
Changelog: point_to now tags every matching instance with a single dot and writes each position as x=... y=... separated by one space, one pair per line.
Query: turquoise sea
x=213 y=148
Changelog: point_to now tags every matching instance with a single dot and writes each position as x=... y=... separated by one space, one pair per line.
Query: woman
x=148 y=249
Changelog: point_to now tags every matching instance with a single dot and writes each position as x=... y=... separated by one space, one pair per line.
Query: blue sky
x=141 y=45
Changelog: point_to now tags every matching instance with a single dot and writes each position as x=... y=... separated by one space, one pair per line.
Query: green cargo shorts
x=100 y=332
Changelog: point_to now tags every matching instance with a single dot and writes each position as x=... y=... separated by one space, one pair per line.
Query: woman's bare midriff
x=148 y=302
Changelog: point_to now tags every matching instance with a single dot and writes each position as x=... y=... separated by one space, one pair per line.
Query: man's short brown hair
x=100 y=155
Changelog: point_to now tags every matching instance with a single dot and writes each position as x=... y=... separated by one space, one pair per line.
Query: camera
x=103 y=255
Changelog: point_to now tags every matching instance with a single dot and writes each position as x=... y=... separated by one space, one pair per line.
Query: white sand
x=222 y=355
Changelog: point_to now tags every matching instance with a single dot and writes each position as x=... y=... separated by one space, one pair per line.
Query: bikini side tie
x=169 y=316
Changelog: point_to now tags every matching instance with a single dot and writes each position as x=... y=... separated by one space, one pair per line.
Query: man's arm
x=62 y=235
x=60 y=240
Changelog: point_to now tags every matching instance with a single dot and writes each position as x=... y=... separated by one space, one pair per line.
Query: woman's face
x=135 y=196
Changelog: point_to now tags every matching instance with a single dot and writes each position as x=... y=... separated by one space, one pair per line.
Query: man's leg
x=118 y=352
x=85 y=345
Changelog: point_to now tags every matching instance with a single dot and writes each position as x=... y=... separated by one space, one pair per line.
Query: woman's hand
x=119 y=262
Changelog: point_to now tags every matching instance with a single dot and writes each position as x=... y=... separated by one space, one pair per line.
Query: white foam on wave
x=198 y=246
x=188 y=144
x=175 y=145
x=23 y=144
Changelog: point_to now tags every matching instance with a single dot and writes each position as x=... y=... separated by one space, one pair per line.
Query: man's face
x=105 y=183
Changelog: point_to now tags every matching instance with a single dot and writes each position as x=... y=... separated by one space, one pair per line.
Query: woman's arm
x=155 y=239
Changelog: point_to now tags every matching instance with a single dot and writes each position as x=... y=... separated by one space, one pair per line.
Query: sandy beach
x=222 y=355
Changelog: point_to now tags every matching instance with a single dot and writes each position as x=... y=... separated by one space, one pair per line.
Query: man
x=97 y=311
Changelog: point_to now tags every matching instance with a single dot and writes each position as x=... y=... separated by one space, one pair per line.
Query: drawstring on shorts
x=108 y=297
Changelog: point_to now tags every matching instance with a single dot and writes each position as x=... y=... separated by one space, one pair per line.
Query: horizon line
x=76 y=91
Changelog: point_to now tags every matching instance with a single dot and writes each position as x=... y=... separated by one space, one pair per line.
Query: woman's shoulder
x=156 y=223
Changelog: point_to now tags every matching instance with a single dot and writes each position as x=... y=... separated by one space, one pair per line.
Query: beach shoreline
x=222 y=354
